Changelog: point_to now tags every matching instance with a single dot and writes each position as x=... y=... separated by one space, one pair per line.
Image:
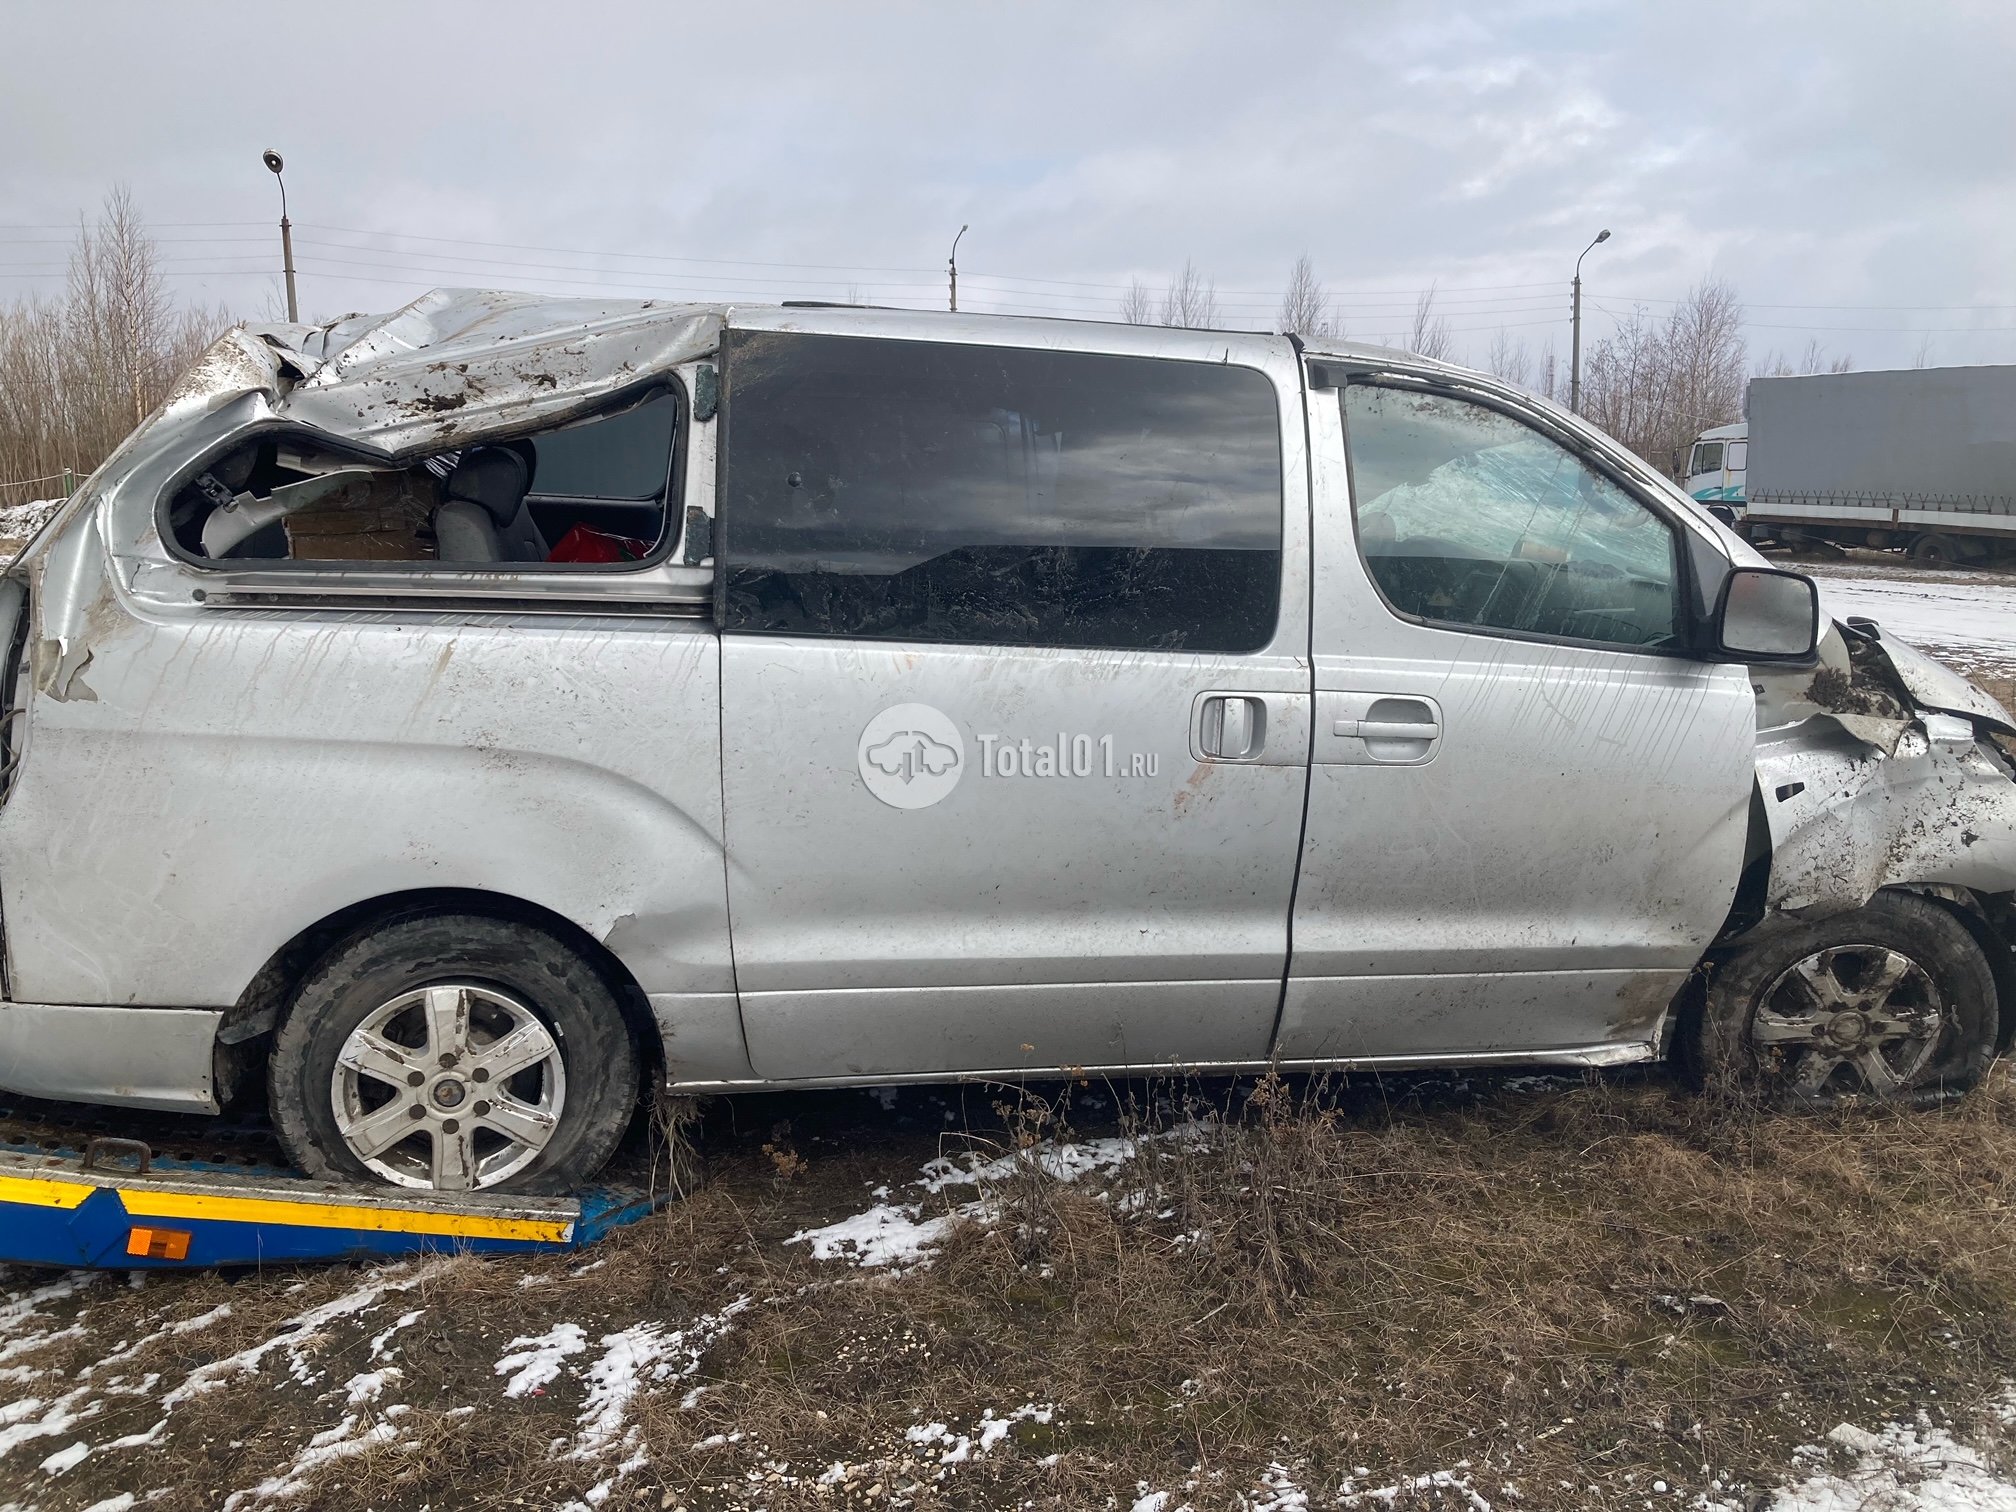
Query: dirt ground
x=1501 y=1291
x=1485 y=1292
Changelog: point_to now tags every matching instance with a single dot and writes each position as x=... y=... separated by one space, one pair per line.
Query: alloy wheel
x=1848 y=1018
x=451 y=1087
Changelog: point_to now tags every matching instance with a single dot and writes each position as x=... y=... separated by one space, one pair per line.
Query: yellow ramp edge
x=40 y=1191
x=144 y=1203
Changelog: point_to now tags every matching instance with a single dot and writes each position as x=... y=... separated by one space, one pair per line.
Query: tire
x=1939 y=550
x=1804 y=1016
x=354 y=1064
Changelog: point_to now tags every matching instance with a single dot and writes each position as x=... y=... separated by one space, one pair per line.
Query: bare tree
x=1509 y=359
x=77 y=374
x=1923 y=356
x=1138 y=306
x=1305 y=308
x=1430 y=336
x=1191 y=300
x=1813 y=360
x=1655 y=385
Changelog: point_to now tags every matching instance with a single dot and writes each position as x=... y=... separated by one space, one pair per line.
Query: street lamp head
x=272 y=160
x=1601 y=236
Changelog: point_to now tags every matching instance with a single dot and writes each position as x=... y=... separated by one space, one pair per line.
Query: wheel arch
x=250 y=1022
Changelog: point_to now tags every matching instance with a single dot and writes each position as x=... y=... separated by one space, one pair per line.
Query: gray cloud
x=1851 y=155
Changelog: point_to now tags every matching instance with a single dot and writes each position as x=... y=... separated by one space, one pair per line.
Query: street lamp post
x=952 y=265
x=1575 y=341
x=272 y=161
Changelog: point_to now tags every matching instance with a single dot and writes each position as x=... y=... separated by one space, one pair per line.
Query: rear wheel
x=1938 y=550
x=454 y=1053
x=1893 y=1000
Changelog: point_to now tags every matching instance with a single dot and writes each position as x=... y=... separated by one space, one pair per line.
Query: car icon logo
x=910 y=756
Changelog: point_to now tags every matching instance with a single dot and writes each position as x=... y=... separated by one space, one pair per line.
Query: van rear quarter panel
x=207 y=785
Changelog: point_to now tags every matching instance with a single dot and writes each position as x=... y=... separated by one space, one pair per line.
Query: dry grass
x=1595 y=1285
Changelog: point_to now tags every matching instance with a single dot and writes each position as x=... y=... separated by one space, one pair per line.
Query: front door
x=1527 y=803
x=1016 y=696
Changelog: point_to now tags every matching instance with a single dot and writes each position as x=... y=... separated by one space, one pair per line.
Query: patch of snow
x=537 y=1358
x=1279 y=1491
x=66 y=1459
x=897 y=1234
x=369 y=1385
x=1971 y=616
x=299 y=1331
x=379 y=1341
x=170 y=1330
x=125 y=1501
x=20 y=521
x=887 y=1234
x=634 y=1357
x=1900 y=1468
x=1434 y=1480
x=326 y=1447
x=32 y=1418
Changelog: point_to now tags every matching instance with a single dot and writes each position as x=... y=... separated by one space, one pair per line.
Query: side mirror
x=1767 y=615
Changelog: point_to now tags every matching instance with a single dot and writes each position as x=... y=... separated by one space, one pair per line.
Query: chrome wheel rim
x=450 y=1087
x=1851 y=1018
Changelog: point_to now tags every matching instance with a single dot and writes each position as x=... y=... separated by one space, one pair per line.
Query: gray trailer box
x=1928 y=447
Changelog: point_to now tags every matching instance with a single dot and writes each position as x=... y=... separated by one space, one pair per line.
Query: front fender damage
x=1878 y=769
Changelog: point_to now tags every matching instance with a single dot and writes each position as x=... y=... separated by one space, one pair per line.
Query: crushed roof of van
x=458 y=365
x=451 y=367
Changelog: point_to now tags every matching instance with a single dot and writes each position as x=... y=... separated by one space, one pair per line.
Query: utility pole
x=1575 y=341
x=952 y=264
x=273 y=163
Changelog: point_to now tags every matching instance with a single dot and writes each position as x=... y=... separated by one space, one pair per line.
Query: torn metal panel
x=458 y=365
x=1932 y=684
x=1846 y=819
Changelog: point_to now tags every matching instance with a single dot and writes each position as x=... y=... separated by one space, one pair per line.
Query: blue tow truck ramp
x=113 y=1206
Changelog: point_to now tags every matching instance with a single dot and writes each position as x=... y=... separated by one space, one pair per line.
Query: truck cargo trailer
x=1922 y=460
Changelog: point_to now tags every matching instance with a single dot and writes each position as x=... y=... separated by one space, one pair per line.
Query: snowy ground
x=1968 y=617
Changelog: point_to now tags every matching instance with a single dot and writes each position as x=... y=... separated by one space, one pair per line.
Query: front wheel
x=453 y=1053
x=1893 y=1000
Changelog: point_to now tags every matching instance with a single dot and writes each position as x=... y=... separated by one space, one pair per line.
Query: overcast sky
x=1850 y=168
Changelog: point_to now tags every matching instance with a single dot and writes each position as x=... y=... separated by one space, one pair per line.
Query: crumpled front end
x=1881 y=768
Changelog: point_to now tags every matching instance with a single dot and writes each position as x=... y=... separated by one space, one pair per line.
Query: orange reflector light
x=158 y=1244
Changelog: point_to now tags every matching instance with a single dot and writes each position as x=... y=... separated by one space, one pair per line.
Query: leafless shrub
x=1813 y=360
x=1191 y=300
x=1430 y=334
x=79 y=372
x=1509 y=359
x=1138 y=305
x=1305 y=308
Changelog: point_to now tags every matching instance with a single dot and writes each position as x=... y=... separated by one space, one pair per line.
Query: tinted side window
x=915 y=491
x=1708 y=457
x=623 y=456
x=1468 y=518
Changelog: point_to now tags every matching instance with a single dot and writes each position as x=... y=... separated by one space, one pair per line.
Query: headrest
x=494 y=477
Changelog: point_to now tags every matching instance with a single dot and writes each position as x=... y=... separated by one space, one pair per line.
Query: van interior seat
x=484 y=518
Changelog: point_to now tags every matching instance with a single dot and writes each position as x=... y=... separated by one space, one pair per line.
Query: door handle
x=1386 y=729
x=1376 y=729
x=1233 y=727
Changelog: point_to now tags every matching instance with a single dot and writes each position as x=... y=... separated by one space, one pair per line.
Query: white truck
x=1922 y=460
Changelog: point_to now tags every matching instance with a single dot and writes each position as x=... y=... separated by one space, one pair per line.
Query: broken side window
x=591 y=493
x=1468 y=518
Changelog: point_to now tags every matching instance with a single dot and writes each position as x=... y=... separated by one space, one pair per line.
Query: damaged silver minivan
x=466 y=720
